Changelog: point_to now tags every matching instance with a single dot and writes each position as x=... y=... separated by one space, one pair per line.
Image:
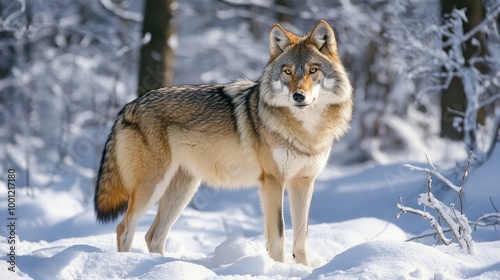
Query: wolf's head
x=305 y=70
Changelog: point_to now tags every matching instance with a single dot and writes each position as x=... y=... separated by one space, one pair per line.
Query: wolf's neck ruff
x=276 y=133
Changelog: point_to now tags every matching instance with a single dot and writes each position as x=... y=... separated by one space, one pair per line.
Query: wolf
x=276 y=132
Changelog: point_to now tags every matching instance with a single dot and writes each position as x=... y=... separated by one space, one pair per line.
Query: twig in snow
x=466 y=172
x=487 y=220
x=457 y=222
x=492 y=204
x=428 y=216
x=427 y=235
x=435 y=172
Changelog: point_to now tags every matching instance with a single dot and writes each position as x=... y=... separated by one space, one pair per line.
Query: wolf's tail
x=110 y=197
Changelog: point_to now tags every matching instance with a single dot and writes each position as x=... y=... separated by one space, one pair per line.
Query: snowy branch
x=434 y=171
x=257 y=4
x=494 y=137
x=449 y=60
x=427 y=216
x=457 y=222
x=490 y=16
x=7 y=21
x=118 y=11
x=487 y=220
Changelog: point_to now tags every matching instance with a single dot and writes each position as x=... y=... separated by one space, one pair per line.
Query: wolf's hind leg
x=300 y=192
x=172 y=203
x=140 y=201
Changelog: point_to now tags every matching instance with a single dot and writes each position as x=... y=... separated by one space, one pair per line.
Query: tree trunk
x=157 y=56
x=453 y=98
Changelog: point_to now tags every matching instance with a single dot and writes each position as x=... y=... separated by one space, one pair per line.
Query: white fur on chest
x=291 y=164
x=310 y=117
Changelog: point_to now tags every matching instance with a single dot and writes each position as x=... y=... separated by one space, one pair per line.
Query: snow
x=53 y=139
x=353 y=234
x=384 y=259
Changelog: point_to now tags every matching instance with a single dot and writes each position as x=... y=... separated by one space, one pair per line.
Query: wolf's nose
x=299 y=97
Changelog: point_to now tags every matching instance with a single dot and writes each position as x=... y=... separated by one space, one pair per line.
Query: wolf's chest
x=291 y=164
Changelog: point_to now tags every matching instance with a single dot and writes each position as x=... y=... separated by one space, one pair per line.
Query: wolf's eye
x=287 y=71
x=313 y=70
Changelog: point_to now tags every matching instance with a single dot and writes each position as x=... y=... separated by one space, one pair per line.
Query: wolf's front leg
x=300 y=192
x=272 y=204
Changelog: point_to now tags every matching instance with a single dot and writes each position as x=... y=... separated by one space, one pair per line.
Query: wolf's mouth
x=301 y=106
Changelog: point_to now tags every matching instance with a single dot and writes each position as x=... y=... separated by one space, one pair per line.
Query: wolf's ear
x=323 y=38
x=279 y=39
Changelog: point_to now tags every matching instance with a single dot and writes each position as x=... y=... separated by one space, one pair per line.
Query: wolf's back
x=110 y=197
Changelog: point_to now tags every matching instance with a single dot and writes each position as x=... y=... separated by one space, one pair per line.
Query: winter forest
x=411 y=192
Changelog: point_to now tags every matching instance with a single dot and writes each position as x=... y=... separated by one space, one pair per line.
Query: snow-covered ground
x=353 y=233
x=76 y=66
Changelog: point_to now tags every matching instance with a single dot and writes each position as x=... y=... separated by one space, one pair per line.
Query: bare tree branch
x=491 y=16
x=436 y=173
x=270 y=7
x=487 y=220
x=118 y=11
x=494 y=137
x=432 y=220
x=466 y=172
x=458 y=223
